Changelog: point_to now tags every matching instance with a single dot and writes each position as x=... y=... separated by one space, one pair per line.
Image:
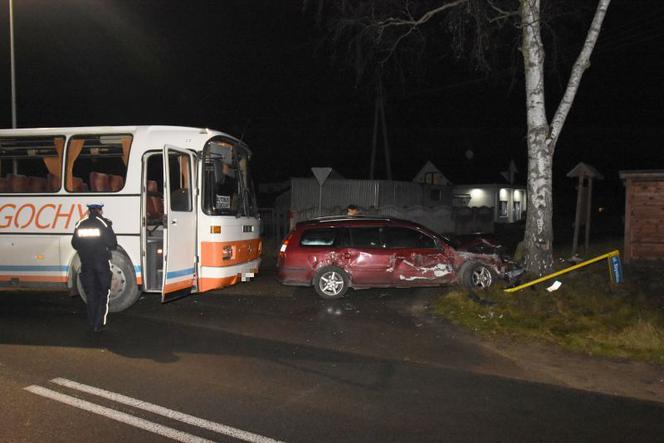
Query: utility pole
x=379 y=118
x=11 y=55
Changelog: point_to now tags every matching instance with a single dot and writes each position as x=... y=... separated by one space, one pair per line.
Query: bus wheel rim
x=118 y=282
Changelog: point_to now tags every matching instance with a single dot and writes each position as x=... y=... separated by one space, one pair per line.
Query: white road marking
x=117 y=415
x=160 y=410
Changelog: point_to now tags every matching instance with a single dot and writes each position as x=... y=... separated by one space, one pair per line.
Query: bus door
x=179 y=255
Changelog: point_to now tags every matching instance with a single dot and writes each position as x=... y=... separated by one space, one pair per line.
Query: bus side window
x=155 y=202
x=99 y=182
x=28 y=163
x=18 y=183
x=37 y=184
x=115 y=182
x=97 y=163
x=53 y=182
x=180 y=182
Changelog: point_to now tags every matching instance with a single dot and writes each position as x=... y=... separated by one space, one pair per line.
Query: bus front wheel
x=124 y=290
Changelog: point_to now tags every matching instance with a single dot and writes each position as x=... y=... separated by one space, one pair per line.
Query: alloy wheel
x=331 y=283
x=482 y=277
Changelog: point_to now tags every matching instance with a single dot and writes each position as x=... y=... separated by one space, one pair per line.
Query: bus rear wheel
x=124 y=290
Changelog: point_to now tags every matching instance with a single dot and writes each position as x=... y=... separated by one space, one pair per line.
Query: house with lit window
x=431 y=199
x=493 y=189
x=507 y=200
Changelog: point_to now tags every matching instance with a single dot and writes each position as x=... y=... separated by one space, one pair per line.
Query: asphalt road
x=264 y=362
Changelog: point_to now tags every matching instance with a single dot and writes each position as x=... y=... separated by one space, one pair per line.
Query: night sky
x=257 y=69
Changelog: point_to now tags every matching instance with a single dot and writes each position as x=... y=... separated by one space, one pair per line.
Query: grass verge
x=586 y=314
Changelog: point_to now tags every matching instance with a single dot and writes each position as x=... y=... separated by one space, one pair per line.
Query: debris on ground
x=554 y=286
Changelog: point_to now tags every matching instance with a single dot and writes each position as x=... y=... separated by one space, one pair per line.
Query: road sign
x=615 y=265
x=321 y=174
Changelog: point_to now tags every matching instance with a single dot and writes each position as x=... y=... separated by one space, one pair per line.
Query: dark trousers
x=96 y=281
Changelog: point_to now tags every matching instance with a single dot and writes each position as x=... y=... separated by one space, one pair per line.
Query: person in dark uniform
x=94 y=240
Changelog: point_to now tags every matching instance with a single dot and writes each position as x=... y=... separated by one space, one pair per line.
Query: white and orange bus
x=181 y=201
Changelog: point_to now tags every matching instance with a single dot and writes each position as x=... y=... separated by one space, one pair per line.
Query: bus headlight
x=227 y=253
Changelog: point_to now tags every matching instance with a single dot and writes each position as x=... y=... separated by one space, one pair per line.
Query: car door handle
x=174 y=222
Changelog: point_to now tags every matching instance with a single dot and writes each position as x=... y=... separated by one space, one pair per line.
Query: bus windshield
x=227 y=186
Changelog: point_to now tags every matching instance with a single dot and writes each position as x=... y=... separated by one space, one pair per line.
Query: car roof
x=357 y=220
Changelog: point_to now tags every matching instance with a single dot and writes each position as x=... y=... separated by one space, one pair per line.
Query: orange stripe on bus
x=172 y=287
x=208 y=284
x=243 y=251
x=35 y=278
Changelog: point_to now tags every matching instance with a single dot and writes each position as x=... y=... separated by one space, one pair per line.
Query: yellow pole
x=564 y=271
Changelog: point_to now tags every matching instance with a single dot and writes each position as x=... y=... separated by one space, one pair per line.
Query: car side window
x=396 y=238
x=318 y=237
x=365 y=237
x=342 y=239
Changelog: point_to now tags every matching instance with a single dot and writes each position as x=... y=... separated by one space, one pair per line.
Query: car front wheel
x=331 y=282
x=477 y=276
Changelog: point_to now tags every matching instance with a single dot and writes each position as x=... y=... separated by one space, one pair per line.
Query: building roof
x=652 y=174
x=585 y=170
x=429 y=167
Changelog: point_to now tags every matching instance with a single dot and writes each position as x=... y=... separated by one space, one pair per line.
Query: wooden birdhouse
x=585 y=173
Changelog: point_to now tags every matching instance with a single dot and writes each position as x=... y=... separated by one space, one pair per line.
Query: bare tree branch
x=502 y=13
x=581 y=64
x=422 y=20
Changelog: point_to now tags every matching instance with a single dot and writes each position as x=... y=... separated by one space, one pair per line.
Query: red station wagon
x=335 y=253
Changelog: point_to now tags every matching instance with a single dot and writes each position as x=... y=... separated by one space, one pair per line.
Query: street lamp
x=11 y=55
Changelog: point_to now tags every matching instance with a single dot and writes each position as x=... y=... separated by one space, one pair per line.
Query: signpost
x=612 y=258
x=615 y=269
x=321 y=175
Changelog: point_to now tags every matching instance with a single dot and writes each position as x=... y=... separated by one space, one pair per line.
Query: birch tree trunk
x=539 y=225
x=542 y=137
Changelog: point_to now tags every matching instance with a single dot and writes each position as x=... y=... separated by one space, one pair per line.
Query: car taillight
x=284 y=245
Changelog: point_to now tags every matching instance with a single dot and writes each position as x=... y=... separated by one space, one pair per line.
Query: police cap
x=95 y=205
